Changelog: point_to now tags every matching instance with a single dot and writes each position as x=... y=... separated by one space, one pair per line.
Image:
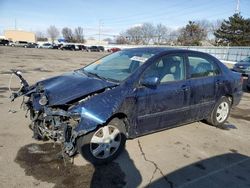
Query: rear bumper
x=237 y=97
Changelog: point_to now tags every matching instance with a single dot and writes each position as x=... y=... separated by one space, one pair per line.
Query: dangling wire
x=10 y=81
x=10 y=90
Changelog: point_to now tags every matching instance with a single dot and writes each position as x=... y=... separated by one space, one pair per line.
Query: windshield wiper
x=90 y=73
x=97 y=75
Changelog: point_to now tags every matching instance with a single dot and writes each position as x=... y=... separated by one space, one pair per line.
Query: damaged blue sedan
x=133 y=92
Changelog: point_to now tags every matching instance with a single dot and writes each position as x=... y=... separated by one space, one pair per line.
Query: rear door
x=205 y=80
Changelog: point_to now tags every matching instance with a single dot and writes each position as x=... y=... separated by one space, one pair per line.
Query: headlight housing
x=43 y=100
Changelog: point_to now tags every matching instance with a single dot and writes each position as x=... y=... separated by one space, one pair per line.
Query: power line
x=185 y=13
x=140 y=14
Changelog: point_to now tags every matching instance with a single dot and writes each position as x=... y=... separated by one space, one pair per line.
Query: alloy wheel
x=222 y=112
x=105 y=142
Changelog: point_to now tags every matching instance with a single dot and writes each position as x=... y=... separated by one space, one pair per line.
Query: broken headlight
x=75 y=116
x=43 y=100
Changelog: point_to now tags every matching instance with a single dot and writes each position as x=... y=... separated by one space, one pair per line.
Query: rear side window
x=201 y=67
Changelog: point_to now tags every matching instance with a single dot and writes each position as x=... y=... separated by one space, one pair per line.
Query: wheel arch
x=121 y=116
x=230 y=98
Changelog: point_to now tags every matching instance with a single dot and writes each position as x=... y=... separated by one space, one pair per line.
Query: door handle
x=218 y=82
x=185 y=88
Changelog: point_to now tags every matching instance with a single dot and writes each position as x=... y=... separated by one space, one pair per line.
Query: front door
x=166 y=104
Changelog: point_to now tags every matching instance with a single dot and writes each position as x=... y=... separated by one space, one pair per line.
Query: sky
x=111 y=16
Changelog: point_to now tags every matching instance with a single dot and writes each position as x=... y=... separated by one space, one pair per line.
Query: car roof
x=157 y=50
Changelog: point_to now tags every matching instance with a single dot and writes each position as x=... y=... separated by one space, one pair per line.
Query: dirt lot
x=195 y=155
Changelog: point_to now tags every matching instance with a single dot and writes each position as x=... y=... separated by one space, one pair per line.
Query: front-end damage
x=59 y=122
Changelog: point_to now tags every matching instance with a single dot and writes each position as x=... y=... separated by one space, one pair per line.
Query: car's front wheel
x=220 y=112
x=104 y=144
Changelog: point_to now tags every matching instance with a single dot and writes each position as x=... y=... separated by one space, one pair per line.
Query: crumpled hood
x=67 y=87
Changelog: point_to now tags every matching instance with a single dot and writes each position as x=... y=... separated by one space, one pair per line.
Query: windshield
x=246 y=60
x=118 y=66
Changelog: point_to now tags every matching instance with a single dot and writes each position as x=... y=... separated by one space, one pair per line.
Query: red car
x=114 y=50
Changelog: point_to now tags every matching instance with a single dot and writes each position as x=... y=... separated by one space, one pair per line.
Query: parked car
x=32 y=45
x=57 y=46
x=46 y=46
x=93 y=49
x=133 y=92
x=82 y=48
x=10 y=42
x=4 y=42
x=69 y=47
x=248 y=83
x=243 y=66
x=20 y=44
x=101 y=48
x=114 y=50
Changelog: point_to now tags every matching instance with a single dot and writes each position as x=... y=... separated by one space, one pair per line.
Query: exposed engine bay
x=58 y=121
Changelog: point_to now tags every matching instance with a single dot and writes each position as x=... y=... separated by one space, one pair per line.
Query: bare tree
x=68 y=34
x=209 y=27
x=215 y=25
x=79 y=34
x=40 y=36
x=148 y=32
x=161 y=34
x=53 y=32
x=134 y=35
x=121 y=39
x=173 y=36
x=204 y=24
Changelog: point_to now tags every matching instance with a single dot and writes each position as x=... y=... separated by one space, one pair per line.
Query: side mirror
x=150 y=81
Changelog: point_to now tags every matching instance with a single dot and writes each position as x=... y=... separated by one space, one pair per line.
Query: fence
x=222 y=53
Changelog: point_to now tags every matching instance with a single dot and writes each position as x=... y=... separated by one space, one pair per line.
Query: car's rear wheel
x=248 y=88
x=220 y=112
x=104 y=144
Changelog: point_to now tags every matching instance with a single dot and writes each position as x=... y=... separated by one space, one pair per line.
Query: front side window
x=168 y=68
x=118 y=66
x=201 y=67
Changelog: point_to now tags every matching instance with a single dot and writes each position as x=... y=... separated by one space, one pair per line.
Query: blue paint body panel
x=146 y=109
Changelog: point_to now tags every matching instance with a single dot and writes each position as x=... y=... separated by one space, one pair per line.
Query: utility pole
x=237 y=10
x=99 y=33
x=15 y=24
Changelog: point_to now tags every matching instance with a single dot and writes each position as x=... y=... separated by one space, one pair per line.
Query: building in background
x=17 y=35
x=94 y=42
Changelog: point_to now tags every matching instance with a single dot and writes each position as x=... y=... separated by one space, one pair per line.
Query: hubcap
x=222 y=112
x=105 y=142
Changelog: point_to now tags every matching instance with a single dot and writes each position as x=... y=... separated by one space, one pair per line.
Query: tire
x=248 y=88
x=98 y=147
x=220 y=112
